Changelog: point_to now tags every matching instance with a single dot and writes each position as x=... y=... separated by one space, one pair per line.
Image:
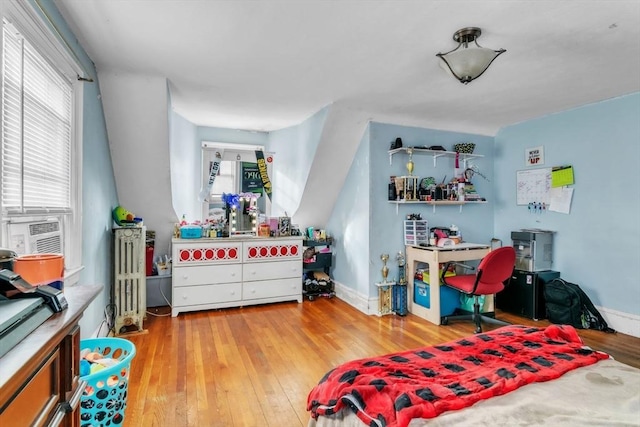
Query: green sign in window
x=251 y=181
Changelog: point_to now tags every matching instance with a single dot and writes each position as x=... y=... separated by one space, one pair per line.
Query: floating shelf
x=435 y=203
x=434 y=153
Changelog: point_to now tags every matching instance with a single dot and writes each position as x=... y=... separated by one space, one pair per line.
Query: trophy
x=410 y=162
x=402 y=280
x=399 y=305
x=385 y=269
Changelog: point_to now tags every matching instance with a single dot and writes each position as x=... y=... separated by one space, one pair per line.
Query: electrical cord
x=110 y=312
x=166 y=300
x=104 y=322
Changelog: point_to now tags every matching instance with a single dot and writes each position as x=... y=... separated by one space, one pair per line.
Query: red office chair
x=494 y=269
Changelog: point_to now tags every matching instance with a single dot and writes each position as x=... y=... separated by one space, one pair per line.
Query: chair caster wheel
x=311 y=297
x=444 y=321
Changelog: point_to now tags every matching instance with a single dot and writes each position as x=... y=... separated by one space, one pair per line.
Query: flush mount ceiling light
x=467 y=62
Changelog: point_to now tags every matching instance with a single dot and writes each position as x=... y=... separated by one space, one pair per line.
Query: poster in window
x=251 y=181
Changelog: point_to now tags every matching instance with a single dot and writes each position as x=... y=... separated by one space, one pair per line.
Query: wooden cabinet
x=40 y=377
x=234 y=272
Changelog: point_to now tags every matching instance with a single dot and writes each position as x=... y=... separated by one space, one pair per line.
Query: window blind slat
x=37 y=130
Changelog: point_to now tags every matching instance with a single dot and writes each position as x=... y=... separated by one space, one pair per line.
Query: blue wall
x=387 y=227
x=185 y=145
x=99 y=197
x=295 y=148
x=349 y=225
x=596 y=245
x=363 y=217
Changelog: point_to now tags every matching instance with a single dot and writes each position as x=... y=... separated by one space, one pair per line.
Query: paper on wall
x=560 y=199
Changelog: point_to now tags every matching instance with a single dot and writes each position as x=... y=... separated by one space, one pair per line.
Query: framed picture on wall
x=534 y=156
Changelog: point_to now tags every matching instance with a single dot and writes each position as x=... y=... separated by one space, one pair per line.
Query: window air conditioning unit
x=36 y=237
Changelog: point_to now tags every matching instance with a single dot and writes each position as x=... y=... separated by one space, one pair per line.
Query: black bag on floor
x=567 y=304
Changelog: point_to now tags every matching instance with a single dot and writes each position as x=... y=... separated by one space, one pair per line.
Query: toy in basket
x=108 y=361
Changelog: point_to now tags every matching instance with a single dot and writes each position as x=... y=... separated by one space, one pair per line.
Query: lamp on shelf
x=469 y=60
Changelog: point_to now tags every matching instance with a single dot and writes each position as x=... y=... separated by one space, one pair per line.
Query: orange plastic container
x=41 y=269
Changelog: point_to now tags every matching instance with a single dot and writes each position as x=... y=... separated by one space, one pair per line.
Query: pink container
x=41 y=269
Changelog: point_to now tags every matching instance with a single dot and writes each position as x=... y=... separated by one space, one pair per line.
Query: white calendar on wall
x=533 y=186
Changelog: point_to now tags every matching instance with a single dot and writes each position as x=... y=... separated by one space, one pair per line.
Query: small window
x=225 y=181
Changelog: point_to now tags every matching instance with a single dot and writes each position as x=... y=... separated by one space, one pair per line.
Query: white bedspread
x=604 y=394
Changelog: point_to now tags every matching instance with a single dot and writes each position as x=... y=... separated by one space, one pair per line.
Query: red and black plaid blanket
x=391 y=390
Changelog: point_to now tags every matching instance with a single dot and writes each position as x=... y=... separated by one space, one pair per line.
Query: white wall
x=135 y=109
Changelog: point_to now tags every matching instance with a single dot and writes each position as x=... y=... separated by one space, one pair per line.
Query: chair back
x=496 y=267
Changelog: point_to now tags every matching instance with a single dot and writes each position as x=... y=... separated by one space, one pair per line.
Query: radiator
x=129 y=293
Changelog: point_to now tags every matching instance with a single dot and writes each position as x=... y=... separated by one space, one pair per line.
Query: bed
x=514 y=375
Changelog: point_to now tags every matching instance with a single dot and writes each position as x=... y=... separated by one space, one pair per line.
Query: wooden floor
x=255 y=366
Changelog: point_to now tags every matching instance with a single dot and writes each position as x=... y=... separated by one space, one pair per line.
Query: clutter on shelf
x=163 y=266
x=316 y=264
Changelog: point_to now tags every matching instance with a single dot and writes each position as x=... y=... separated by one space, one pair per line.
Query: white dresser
x=234 y=272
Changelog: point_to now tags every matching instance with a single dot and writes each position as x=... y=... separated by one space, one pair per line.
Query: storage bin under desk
x=449 y=298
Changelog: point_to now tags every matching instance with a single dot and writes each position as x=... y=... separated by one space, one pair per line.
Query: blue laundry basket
x=105 y=397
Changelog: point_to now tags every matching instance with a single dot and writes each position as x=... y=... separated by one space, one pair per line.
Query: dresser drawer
x=206 y=274
x=270 y=250
x=201 y=252
x=37 y=400
x=271 y=270
x=206 y=294
x=272 y=288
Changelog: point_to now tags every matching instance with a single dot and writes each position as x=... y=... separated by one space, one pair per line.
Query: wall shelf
x=436 y=203
x=434 y=153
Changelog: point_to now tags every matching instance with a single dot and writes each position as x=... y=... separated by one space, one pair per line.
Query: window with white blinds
x=41 y=149
x=37 y=125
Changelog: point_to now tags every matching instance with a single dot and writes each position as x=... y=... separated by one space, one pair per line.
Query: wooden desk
x=39 y=377
x=435 y=256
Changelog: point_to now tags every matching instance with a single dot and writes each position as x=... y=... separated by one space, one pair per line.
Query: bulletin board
x=533 y=186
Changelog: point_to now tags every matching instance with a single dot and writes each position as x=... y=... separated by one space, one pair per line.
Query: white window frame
x=233 y=153
x=27 y=20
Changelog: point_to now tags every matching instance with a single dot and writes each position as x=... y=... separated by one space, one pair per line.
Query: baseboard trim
x=625 y=323
x=361 y=302
x=355 y=299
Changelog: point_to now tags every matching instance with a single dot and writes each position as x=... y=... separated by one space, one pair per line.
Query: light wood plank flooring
x=255 y=366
